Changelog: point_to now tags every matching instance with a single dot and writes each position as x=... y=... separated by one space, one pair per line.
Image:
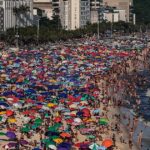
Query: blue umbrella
x=4 y=104
x=36 y=148
x=65 y=145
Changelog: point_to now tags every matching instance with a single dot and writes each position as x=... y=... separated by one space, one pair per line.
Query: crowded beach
x=68 y=97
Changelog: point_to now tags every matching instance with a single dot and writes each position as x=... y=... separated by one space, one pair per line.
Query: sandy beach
x=52 y=100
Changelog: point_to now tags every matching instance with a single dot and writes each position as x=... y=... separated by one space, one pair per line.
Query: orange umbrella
x=107 y=143
x=65 y=135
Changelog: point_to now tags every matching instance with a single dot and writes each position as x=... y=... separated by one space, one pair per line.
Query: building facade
x=94 y=7
x=120 y=4
x=46 y=6
x=56 y=7
x=74 y=14
x=1 y=19
x=22 y=20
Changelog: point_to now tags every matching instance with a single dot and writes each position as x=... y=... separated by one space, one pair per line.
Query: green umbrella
x=2 y=133
x=34 y=126
x=55 y=127
x=38 y=121
x=52 y=128
x=46 y=115
x=1 y=118
x=103 y=121
x=25 y=129
x=55 y=137
x=91 y=137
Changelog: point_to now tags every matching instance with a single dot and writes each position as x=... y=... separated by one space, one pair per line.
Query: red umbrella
x=69 y=121
x=81 y=143
x=32 y=117
x=30 y=101
x=57 y=119
x=9 y=112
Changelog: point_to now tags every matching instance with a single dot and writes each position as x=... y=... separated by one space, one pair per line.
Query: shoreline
x=116 y=97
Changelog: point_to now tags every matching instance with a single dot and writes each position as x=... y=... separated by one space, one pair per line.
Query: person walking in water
x=140 y=136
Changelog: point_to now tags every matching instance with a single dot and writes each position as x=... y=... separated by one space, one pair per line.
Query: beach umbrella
x=94 y=146
x=36 y=148
x=73 y=106
x=25 y=129
x=2 y=112
x=4 y=104
x=2 y=133
x=10 y=145
x=102 y=148
x=78 y=145
x=103 y=121
x=53 y=147
x=58 y=140
x=91 y=137
x=12 y=120
x=23 y=142
x=51 y=105
x=38 y=121
x=65 y=135
x=1 y=118
x=107 y=143
x=52 y=133
x=9 y=112
x=77 y=120
x=55 y=127
x=57 y=119
x=65 y=145
x=11 y=135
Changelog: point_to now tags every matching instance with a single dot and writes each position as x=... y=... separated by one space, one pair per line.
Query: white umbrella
x=52 y=147
x=77 y=120
x=73 y=106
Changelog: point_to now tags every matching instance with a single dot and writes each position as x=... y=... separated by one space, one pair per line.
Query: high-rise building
x=120 y=4
x=45 y=6
x=74 y=14
x=23 y=19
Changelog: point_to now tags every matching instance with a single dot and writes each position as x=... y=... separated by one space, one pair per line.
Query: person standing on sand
x=140 y=136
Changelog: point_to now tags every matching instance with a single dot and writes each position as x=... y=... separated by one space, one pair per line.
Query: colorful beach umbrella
x=107 y=143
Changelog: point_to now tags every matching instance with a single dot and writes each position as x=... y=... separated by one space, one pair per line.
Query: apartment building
x=45 y=6
x=9 y=18
x=74 y=14
x=120 y=4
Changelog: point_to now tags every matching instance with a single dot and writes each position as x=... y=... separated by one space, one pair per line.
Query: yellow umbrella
x=50 y=105
x=12 y=120
x=58 y=140
x=89 y=120
x=52 y=81
x=2 y=112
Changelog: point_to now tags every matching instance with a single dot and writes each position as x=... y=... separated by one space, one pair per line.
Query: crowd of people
x=68 y=96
